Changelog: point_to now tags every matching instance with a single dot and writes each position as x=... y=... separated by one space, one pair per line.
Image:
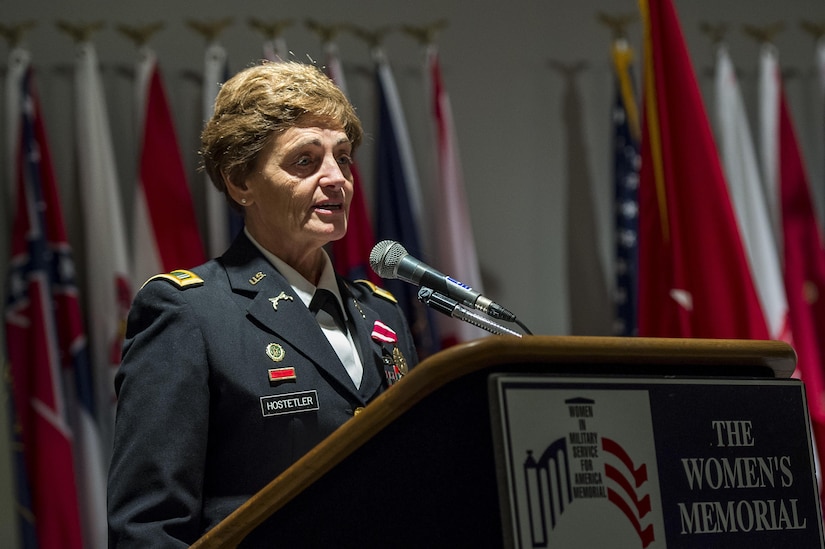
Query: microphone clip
x=454 y=309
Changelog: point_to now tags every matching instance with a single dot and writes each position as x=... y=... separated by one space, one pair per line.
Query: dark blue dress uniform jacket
x=193 y=441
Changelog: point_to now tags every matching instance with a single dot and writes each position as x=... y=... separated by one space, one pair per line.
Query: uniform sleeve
x=156 y=474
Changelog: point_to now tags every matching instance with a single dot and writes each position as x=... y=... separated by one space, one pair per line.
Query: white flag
x=107 y=263
x=109 y=295
x=769 y=86
x=217 y=209
x=744 y=182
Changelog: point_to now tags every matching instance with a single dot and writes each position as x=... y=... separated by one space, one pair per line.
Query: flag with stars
x=46 y=344
x=626 y=184
x=694 y=278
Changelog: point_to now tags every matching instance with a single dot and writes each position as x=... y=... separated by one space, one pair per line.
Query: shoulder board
x=180 y=278
x=380 y=292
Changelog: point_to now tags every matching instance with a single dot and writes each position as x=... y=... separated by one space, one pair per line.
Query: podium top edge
x=778 y=356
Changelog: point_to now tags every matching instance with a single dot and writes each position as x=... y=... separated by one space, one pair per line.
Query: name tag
x=291 y=403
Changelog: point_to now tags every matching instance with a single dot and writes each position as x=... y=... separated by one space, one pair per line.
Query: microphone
x=451 y=307
x=389 y=259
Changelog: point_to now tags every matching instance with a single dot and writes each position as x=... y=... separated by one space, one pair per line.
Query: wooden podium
x=421 y=465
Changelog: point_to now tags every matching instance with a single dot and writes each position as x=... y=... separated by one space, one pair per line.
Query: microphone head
x=385 y=257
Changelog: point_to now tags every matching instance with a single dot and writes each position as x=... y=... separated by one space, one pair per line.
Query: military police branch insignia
x=280 y=297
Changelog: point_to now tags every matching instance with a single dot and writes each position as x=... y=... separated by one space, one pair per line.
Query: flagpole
x=275 y=44
x=769 y=75
x=817 y=31
x=215 y=72
x=12 y=472
x=626 y=135
x=18 y=61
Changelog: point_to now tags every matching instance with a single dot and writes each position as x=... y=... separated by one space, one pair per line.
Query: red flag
x=694 y=279
x=804 y=272
x=165 y=229
x=45 y=338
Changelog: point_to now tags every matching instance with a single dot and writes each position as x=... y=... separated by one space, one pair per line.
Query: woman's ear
x=237 y=191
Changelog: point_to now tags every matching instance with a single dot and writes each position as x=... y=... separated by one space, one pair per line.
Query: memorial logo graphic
x=582 y=467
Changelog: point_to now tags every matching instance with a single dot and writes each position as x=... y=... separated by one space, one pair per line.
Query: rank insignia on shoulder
x=381 y=292
x=180 y=278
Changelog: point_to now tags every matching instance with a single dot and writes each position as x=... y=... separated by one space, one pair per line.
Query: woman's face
x=299 y=197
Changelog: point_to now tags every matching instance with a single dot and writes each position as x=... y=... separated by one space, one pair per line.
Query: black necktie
x=324 y=300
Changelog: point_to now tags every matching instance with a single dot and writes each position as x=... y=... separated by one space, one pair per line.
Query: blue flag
x=626 y=184
x=395 y=202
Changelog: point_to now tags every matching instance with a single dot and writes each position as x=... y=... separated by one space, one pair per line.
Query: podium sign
x=654 y=462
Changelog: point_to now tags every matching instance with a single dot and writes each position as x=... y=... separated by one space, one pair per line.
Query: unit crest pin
x=275 y=352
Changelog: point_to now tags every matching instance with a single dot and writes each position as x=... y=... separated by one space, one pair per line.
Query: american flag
x=46 y=344
x=626 y=183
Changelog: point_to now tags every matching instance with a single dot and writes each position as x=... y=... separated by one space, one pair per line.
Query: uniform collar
x=304 y=289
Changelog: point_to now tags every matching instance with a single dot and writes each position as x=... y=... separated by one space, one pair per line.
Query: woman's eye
x=303 y=161
x=345 y=160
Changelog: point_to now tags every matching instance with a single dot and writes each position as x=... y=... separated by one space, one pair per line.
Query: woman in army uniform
x=234 y=369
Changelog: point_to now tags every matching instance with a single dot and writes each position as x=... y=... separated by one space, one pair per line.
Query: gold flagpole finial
x=815 y=29
x=326 y=33
x=270 y=29
x=79 y=32
x=425 y=34
x=209 y=29
x=617 y=23
x=373 y=38
x=716 y=33
x=763 y=34
x=14 y=33
x=140 y=35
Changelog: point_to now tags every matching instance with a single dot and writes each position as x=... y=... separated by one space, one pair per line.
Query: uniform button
x=357 y=410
